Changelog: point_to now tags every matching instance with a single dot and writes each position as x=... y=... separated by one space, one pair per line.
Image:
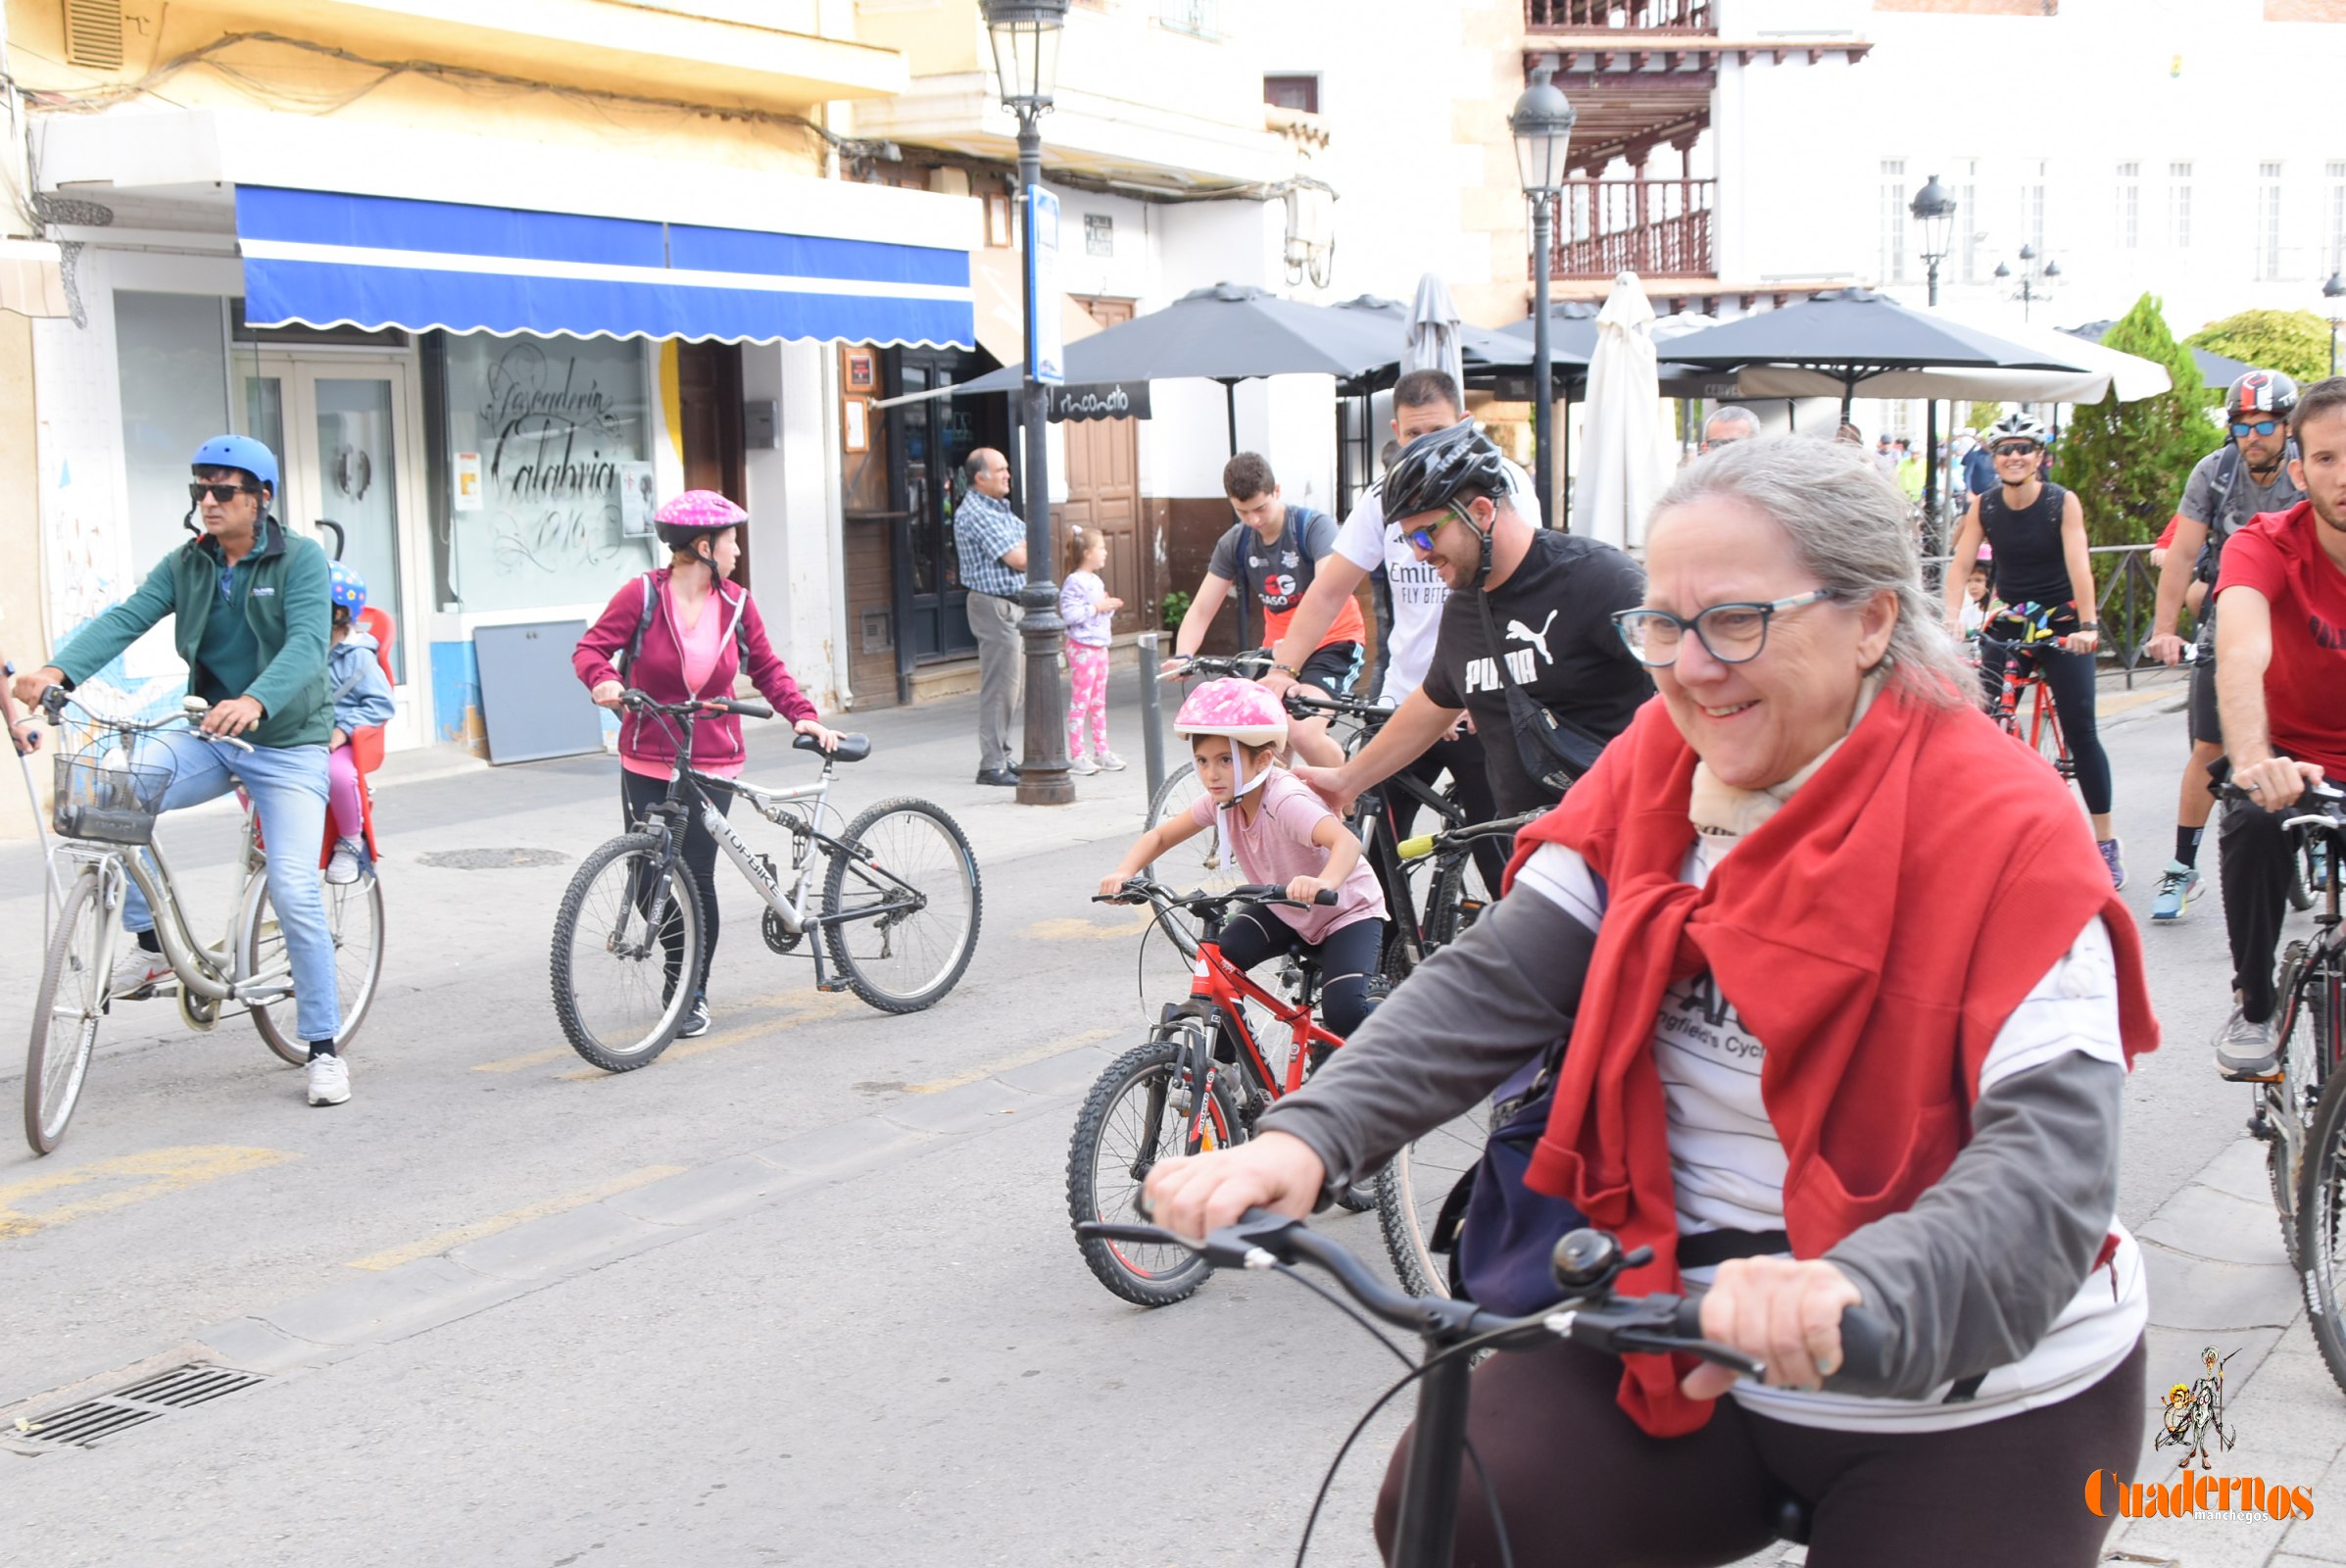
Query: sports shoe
x=2247 y=1053
x=1110 y=763
x=329 y=1080
x=696 y=1020
x=2178 y=885
x=2110 y=849
x=349 y=857
x=137 y=973
x=1082 y=766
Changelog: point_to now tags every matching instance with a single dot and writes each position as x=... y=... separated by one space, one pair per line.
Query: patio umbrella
x=2214 y=370
x=1434 y=343
x=1480 y=348
x=1625 y=458
x=1854 y=336
x=2100 y=372
x=1228 y=333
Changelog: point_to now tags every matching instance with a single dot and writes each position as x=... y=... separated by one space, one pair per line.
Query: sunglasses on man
x=1423 y=538
x=2257 y=427
x=222 y=493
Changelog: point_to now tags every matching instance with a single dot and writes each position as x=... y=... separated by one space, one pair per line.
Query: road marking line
x=1076 y=928
x=802 y=1009
x=164 y=1170
x=1090 y=1037
x=431 y=1246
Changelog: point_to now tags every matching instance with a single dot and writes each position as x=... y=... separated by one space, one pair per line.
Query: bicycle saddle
x=852 y=748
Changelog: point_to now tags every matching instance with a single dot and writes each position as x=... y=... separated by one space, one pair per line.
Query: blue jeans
x=288 y=789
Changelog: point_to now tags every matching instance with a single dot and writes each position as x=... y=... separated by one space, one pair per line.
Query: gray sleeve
x=1972 y=1277
x=1225 y=560
x=1516 y=974
x=1318 y=535
x=2199 y=491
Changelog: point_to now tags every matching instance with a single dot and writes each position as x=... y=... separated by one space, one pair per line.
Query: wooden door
x=1104 y=491
x=709 y=407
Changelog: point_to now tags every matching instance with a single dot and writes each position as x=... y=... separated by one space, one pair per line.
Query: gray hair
x=1732 y=414
x=1848 y=526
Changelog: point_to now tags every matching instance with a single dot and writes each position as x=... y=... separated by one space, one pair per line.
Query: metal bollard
x=1152 y=718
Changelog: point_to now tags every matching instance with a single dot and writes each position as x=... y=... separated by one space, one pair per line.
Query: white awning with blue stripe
x=328 y=258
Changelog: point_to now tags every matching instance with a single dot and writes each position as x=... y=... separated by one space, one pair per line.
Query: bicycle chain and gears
x=778 y=936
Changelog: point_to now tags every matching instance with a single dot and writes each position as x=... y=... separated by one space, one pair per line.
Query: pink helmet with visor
x=695 y=515
x=1241 y=709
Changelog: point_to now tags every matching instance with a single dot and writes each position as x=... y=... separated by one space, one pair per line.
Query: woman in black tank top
x=2037 y=532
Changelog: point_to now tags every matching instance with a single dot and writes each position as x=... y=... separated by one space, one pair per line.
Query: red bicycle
x=2025 y=706
x=1212 y=1064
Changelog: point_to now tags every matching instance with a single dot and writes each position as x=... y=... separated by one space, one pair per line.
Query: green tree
x=2127 y=462
x=2295 y=343
x=1978 y=416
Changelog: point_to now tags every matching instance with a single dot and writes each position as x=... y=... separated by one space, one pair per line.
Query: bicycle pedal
x=831 y=985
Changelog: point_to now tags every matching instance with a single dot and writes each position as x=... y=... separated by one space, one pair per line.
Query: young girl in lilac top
x=1089 y=611
x=1282 y=834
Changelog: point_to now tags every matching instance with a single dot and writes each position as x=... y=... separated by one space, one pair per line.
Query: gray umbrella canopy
x=2214 y=370
x=1481 y=348
x=1851 y=335
x=1434 y=343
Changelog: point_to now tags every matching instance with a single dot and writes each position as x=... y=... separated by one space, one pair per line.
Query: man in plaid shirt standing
x=991 y=539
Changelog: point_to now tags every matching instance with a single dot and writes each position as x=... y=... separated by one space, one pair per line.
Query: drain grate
x=489 y=860
x=94 y=1420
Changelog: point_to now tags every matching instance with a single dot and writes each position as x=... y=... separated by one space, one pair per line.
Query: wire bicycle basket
x=104 y=795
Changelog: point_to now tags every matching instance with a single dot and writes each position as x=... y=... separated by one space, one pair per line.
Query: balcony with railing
x=1653 y=227
x=1619 y=16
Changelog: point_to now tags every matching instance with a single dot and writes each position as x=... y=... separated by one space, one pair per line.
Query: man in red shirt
x=2280 y=690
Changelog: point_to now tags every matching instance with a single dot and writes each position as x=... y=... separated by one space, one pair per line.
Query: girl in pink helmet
x=1282 y=834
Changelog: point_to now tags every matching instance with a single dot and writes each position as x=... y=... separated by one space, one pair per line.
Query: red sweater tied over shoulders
x=1875 y=934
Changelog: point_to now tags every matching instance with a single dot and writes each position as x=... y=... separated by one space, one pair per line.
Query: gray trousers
x=994 y=621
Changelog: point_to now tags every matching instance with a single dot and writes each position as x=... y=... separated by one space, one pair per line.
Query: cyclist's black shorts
x=2205 y=727
x=1332 y=668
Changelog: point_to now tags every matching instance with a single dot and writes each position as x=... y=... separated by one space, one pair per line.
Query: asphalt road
x=902 y=1360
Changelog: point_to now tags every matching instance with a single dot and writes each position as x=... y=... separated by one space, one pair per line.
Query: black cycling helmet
x=1442 y=466
x=2261 y=392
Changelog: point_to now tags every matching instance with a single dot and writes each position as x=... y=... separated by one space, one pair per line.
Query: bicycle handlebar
x=1298 y=706
x=55 y=700
x=1585 y=1263
x=1424 y=844
x=1252 y=665
x=1146 y=889
x=743 y=706
x=2329 y=812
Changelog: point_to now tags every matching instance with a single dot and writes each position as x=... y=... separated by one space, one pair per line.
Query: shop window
x=549 y=453
x=1302 y=93
x=172 y=352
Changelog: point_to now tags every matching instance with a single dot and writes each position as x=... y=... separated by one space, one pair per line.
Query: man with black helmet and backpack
x=2245 y=477
x=1527 y=645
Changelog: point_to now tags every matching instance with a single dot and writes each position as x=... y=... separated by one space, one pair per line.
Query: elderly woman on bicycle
x=1805 y=1041
x=676 y=633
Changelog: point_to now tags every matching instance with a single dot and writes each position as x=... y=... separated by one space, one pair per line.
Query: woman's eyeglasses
x=2016 y=449
x=2258 y=428
x=1423 y=538
x=1730 y=633
x=222 y=493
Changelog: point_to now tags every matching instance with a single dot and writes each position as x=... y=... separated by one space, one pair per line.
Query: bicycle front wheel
x=66 y=1011
x=1413 y=1187
x=622 y=982
x=2308 y=871
x=2322 y=1217
x=1457 y=898
x=1137 y=1114
x=903 y=905
x=354 y=915
x=1202 y=863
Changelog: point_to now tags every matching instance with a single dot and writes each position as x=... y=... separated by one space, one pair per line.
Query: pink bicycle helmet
x=1241 y=709
x=693 y=515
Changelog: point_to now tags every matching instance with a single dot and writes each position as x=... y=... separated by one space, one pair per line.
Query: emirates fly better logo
x=2191 y=1419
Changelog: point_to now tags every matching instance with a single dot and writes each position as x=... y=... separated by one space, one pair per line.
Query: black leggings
x=1347 y=959
x=2069 y=677
x=1581 y=1486
x=638 y=794
x=2256 y=854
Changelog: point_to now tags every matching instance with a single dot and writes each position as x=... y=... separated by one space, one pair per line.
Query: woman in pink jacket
x=685 y=631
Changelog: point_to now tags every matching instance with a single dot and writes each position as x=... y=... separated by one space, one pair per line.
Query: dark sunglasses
x=2260 y=428
x=220 y=493
x=1423 y=538
x=2016 y=449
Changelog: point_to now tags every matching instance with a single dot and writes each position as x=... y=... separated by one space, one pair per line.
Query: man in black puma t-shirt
x=1551 y=597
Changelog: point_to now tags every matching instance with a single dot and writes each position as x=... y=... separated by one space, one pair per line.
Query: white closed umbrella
x=1434 y=339
x=1626 y=457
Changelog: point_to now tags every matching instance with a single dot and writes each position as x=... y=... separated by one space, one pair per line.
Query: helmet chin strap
x=1238 y=770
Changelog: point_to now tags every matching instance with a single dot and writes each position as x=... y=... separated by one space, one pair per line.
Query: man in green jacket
x=250 y=616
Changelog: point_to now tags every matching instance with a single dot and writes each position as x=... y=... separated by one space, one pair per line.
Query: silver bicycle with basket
x=103 y=814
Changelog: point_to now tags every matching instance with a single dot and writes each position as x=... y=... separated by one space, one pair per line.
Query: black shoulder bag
x=1553 y=751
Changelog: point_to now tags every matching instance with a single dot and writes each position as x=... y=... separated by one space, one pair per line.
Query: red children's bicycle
x=1211 y=1065
x=2025 y=707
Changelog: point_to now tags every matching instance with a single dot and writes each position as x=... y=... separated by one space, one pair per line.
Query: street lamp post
x=1542 y=124
x=1934 y=219
x=2036 y=280
x=2333 y=291
x=1026 y=59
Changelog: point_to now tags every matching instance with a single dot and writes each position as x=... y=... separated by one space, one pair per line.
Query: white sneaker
x=137 y=973
x=329 y=1080
x=1082 y=766
x=349 y=858
x=1110 y=763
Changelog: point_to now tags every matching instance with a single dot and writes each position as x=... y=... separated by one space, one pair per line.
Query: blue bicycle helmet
x=347 y=588
x=238 y=451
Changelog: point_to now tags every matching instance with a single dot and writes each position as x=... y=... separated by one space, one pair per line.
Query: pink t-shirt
x=702 y=641
x=1277 y=847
